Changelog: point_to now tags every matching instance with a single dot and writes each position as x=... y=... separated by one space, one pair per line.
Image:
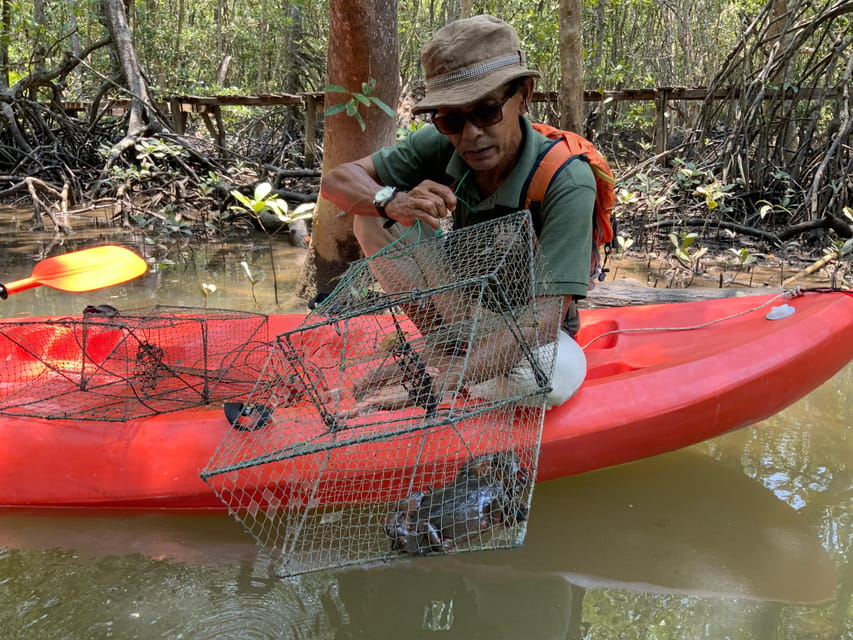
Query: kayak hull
x=660 y=378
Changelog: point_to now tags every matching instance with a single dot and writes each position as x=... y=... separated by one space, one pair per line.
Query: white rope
x=793 y=293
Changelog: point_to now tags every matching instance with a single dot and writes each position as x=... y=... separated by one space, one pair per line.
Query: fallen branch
x=819 y=264
x=719 y=224
x=626 y=292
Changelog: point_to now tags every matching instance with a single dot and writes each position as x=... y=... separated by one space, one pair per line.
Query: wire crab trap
x=119 y=366
x=403 y=417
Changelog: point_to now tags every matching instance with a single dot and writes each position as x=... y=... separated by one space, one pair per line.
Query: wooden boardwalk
x=209 y=108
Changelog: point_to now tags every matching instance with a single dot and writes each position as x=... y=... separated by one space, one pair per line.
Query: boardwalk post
x=310 y=150
x=660 y=119
x=179 y=118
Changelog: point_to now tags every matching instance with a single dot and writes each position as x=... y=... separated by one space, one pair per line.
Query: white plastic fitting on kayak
x=780 y=312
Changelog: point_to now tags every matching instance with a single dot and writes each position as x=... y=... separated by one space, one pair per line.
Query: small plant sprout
x=351 y=107
x=623 y=196
x=253 y=278
x=713 y=194
x=839 y=249
x=265 y=198
x=682 y=243
x=624 y=243
x=206 y=290
x=767 y=208
x=744 y=257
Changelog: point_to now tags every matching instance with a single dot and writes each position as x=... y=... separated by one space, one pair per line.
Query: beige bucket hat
x=468 y=59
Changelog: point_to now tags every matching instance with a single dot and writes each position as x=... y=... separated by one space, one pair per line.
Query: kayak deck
x=660 y=377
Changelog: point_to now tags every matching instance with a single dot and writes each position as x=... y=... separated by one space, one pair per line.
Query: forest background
x=758 y=170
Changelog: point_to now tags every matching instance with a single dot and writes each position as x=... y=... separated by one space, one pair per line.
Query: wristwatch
x=381 y=200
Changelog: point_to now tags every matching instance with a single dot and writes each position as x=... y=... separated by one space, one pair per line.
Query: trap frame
x=404 y=415
x=119 y=366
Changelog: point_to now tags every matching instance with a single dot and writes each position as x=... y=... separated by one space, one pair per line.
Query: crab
x=484 y=494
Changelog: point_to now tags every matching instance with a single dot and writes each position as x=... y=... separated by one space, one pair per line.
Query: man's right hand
x=428 y=202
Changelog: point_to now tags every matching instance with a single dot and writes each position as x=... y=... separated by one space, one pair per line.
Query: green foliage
x=274 y=48
x=254 y=278
x=713 y=192
x=207 y=185
x=683 y=242
x=624 y=242
x=352 y=106
x=152 y=152
x=743 y=256
x=207 y=289
x=265 y=199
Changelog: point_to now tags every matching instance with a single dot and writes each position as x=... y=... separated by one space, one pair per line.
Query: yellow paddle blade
x=84 y=270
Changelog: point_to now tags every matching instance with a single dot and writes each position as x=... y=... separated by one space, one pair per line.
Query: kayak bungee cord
x=788 y=294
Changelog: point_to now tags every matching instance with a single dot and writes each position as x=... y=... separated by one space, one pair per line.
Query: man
x=471 y=163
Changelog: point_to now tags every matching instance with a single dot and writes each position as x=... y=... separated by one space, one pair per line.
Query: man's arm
x=353 y=185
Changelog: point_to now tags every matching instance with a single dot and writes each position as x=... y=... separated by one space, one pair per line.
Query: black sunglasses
x=483 y=115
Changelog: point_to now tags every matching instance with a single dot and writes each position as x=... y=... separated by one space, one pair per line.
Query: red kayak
x=661 y=377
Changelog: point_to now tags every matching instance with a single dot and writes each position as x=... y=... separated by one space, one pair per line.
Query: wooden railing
x=209 y=108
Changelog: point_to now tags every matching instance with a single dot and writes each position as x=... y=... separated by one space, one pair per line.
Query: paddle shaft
x=16 y=286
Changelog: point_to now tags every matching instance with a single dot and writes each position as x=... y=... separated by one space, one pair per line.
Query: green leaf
x=335 y=109
x=674 y=240
x=248 y=272
x=244 y=200
x=279 y=208
x=361 y=98
x=334 y=88
x=304 y=210
x=379 y=103
x=262 y=190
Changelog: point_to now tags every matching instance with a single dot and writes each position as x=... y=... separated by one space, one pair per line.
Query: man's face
x=486 y=134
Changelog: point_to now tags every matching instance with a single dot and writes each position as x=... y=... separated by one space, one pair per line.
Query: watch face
x=383 y=195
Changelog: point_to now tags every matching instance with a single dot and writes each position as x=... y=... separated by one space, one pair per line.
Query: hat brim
x=468 y=92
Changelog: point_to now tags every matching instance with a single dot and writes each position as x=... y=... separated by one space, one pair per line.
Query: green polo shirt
x=566 y=215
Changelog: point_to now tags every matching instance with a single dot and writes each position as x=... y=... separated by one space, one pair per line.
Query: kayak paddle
x=84 y=270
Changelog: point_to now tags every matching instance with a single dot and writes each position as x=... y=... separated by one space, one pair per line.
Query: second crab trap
x=404 y=415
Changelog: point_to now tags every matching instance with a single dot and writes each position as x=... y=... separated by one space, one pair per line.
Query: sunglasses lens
x=450 y=124
x=487 y=115
x=483 y=116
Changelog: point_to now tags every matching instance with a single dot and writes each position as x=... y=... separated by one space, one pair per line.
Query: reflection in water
x=746 y=536
x=682 y=523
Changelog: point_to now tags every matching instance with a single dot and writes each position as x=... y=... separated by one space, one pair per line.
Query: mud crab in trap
x=485 y=493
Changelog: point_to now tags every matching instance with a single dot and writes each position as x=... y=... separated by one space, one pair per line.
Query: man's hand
x=428 y=202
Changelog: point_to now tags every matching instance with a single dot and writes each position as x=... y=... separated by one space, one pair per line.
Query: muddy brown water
x=747 y=536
